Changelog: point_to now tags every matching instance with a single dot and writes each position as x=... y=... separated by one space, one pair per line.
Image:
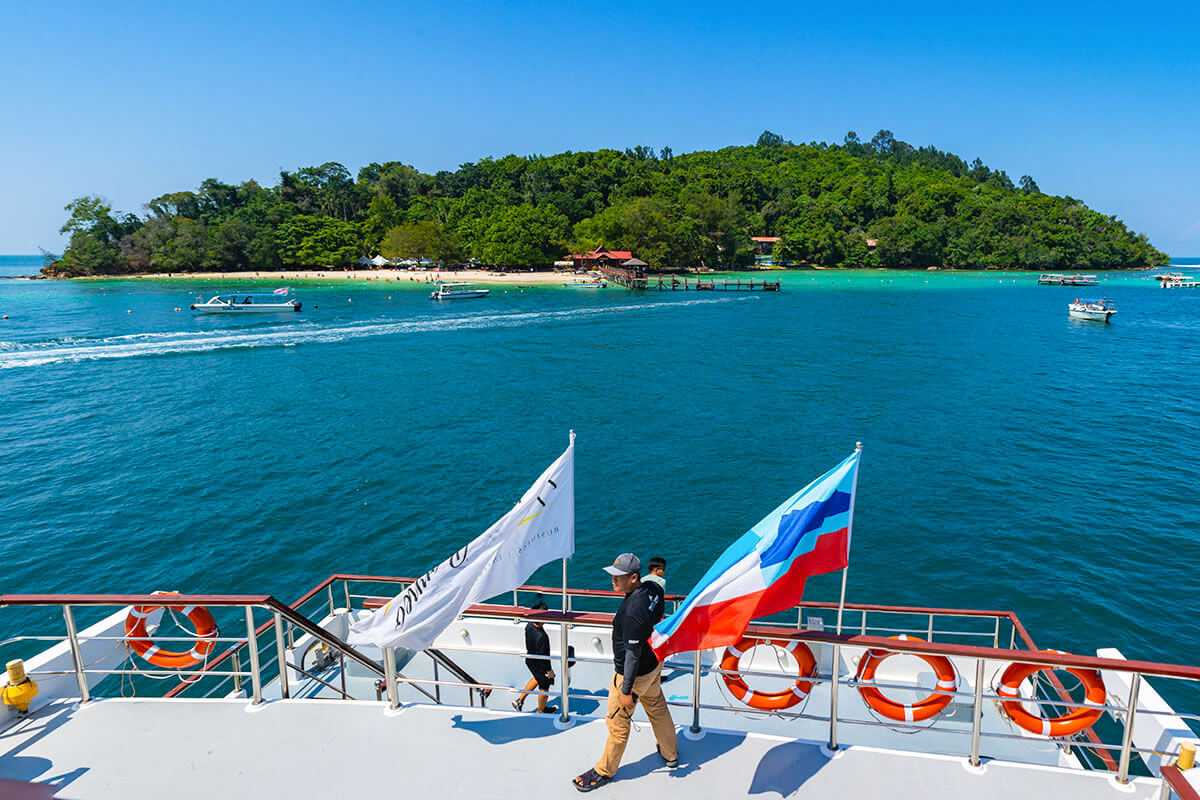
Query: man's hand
x=627 y=703
x=550 y=674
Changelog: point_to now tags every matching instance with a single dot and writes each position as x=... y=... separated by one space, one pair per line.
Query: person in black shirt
x=537 y=643
x=636 y=673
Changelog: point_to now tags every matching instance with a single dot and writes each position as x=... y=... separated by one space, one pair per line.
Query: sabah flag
x=284 y=290
x=764 y=571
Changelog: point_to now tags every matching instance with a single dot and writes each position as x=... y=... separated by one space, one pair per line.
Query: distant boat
x=457 y=291
x=246 y=304
x=1054 y=279
x=587 y=284
x=1181 y=282
x=1101 y=310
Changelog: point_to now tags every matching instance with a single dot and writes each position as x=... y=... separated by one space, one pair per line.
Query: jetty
x=638 y=279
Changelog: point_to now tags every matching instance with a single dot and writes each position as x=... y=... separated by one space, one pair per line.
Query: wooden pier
x=631 y=279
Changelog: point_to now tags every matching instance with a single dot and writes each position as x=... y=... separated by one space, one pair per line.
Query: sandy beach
x=376 y=275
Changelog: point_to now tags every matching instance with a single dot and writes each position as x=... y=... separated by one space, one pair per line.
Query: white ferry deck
x=128 y=749
x=340 y=720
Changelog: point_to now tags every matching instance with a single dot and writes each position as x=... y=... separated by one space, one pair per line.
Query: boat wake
x=31 y=354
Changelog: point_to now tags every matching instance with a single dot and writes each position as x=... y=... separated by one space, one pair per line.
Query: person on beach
x=537 y=643
x=658 y=572
x=636 y=676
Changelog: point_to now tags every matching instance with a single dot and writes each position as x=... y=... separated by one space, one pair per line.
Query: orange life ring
x=931 y=706
x=139 y=641
x=1077 y=720
x=769 y=701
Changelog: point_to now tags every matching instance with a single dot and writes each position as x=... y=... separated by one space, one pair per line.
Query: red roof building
x=600 y=256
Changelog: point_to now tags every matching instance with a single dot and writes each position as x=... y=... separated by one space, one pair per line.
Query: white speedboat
x=1051 y=279
x=1101 y=309
x=457 y=291
x=1170 y=276
x=247 y=304
x=587 y=284
x=1182 y=282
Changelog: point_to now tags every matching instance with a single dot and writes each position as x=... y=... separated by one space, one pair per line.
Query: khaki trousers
x=648 y=689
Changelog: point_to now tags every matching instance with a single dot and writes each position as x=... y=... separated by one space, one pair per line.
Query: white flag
x=539 y=529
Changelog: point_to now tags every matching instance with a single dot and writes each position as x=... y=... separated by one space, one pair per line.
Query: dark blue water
x=1014 y=458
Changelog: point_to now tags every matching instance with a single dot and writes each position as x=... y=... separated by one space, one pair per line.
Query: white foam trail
x=16 y=354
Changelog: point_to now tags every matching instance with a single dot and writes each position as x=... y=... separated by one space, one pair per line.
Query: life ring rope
x=928 y=708
x=1081 y=716
x=138 y=639
x=769 y=701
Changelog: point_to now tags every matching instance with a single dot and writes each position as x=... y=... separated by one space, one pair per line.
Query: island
x=881 y=203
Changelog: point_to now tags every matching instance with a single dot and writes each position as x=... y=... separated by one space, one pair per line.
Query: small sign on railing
x=814 y=623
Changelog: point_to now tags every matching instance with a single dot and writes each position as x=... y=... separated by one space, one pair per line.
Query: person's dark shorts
x=538 y=671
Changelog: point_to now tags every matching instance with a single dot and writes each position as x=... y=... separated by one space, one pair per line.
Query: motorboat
x=247 y=303
x=1051 y=279
x=1100 y=309
x=1081 y=280
x=1181 y=282
x=596 y=284
x=1170 y=276
x=457 y=291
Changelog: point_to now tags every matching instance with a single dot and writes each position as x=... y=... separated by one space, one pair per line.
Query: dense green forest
x=919 y=207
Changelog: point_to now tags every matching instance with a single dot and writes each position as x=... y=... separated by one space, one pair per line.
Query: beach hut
x=636 y=266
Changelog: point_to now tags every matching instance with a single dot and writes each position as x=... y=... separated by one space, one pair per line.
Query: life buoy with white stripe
x=139 y=641
x=931 y=706
x=1077 y=720
x=769 y=701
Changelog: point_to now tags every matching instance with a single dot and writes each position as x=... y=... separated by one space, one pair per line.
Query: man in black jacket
x=636 y=675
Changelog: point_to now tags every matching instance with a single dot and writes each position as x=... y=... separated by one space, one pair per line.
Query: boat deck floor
x=140 y=748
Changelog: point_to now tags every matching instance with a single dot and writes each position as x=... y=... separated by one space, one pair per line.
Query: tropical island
x=881 y=203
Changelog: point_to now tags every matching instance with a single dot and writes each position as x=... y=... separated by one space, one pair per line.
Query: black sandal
x=589 y=780
x=673 y=763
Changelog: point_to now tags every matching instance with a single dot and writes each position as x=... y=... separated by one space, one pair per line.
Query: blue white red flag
x=284 y=290
x=764 y=571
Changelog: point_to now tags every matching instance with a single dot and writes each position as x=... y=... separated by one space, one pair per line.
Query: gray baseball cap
x=625 y=564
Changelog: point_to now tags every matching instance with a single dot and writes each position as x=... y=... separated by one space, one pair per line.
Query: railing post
x=437 y=687
x=331 y=606
x=237 y=669
x=836 y=676
x=565 y=716
x=977 y=713
x=252 y=647
x=1127 y=742
x=696 y=694
x=76 y=656
x=346 y=591
x=389 y=677
x=281 y=654
x=996 y=635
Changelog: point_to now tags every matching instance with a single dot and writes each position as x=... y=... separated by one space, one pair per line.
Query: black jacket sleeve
x=635 y=629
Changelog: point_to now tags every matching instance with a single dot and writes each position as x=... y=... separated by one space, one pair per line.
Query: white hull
x=1080 y=313
x=439 y=295
x=248 y=308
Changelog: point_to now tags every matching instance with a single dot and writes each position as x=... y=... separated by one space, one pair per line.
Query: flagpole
x=835 y=662
x=849 y=538
x=564 y=714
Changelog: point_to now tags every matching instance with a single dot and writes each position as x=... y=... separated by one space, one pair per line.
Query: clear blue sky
x=129 y=100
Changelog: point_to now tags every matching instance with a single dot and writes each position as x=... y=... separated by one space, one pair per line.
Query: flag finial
x=572 y=436
x=858 y=445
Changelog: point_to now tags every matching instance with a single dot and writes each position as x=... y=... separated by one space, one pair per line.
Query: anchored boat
x=249 y=303
x=457 y=291
x=219 y=695
x=1100 y=309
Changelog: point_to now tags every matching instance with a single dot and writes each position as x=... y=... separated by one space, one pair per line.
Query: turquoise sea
x=1013 y=457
